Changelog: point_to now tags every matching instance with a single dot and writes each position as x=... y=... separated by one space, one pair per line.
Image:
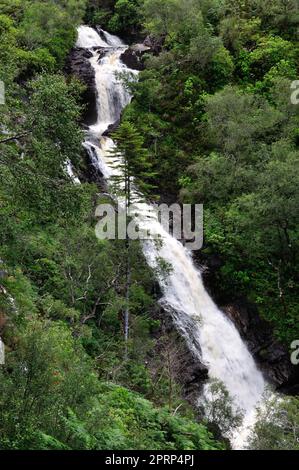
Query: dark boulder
x=100 y=32
x=133 y=56
x=78 y=64
x=194 y=376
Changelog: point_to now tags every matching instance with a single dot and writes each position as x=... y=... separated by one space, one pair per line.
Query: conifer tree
x=130 y=159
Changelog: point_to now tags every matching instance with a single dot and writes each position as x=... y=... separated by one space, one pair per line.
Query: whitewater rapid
x=210 y=335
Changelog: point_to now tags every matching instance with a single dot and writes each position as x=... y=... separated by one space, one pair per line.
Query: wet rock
x=102 y=51
x=92 y=172
x=291 y=387
x=112 y=128
x=194 y=376
x=100 y=32
x=133 y=56
x=78 y=64
x=272 y=356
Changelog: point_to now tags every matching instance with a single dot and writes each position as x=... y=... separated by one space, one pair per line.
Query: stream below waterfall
x=210 y=335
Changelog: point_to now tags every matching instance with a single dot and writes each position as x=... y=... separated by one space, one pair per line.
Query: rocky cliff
x=271 y=355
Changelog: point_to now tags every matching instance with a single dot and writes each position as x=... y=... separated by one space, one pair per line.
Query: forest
x=213 y=120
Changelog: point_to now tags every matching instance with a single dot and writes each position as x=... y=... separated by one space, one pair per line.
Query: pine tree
x=134 y=173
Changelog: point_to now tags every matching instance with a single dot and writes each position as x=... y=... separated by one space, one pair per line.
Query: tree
x=219 y=410
x=277 y=427
x=123 y=420
x=126 y=18
x=173 y=20
x=169 y=365
x=53 y=138
x=40 y=381
x=133 y=160
x=51 y=25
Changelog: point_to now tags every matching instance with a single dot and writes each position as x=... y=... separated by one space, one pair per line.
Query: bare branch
x=15 y=137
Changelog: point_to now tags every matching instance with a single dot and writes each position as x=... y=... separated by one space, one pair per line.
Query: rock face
x=78 y=64
x=133 y=56
x=92 y=172
x=185 y=368
x=272 y=357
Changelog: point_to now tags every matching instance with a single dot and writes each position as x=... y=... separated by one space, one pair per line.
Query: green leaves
x=250 y=190
x=126 y=17
x=135 y=164
x=40 y=380
x=278 y=425
x=268 y=53
x=50 y=399
x=124 y=420
x=50 y=25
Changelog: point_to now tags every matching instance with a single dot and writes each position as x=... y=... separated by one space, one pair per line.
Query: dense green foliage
x=122 y=17
x=52 y=399
x=212 y=122
x=277 y=426
x=66 y=383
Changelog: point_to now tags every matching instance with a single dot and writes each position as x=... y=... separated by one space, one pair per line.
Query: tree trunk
x=127 y=309
x=128 y=265
x=15 y=137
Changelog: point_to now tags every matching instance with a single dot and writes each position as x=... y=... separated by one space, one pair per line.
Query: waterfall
x=210 y=335
x=88 y=38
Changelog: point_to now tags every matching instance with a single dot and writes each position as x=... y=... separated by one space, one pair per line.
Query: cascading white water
x=211 y=336
x=111 y=40
x=88 y=38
